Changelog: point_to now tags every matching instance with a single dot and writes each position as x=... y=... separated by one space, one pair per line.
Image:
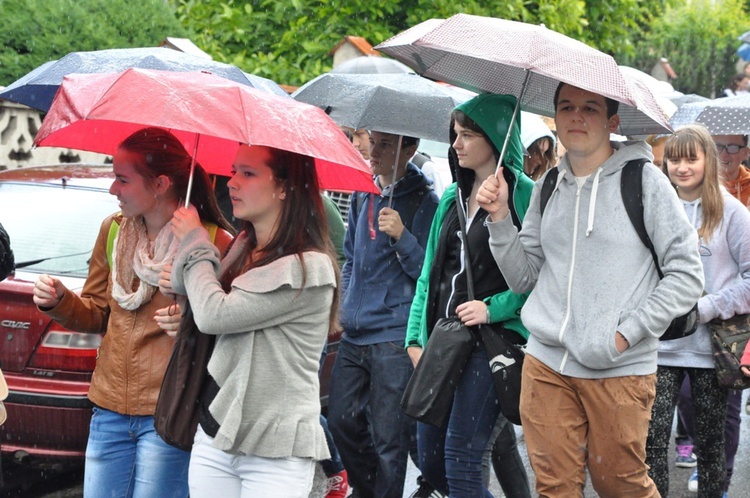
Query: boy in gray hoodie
x=597 y=306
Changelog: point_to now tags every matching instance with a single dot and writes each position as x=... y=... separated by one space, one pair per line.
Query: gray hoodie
x=726 y=266
x=592 y=276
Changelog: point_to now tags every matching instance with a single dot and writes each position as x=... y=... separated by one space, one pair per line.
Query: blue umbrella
x=744 y=51
x=37 y=88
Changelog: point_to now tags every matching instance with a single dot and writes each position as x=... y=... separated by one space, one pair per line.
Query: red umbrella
x=212 y=116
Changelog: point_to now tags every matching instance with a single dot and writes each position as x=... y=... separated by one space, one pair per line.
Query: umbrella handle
x=192 y=170
x=395 y=171
x=513 y=120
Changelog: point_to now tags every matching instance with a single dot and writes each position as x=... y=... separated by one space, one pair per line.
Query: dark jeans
x=333 y=465
x=686 y=421
x=710 y=403
x=506 y=461
x=371 y=432
x=451 y=457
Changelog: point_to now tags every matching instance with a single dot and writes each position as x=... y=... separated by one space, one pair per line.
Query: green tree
x=35 y=31
x=289 y=40
x=700 y=40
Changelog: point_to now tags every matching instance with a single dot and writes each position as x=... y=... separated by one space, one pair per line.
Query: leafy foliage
x=35 y=31
x=289 y=40
x=700 y=40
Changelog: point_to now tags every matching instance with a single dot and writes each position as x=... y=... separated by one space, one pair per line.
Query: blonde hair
x=685 y=143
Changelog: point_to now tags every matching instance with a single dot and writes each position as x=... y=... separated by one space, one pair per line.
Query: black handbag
x=505 y=357
x=177 y=408
x=428 y=396
x=728 y=339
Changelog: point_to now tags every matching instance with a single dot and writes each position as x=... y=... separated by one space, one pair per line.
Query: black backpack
x=631 y=189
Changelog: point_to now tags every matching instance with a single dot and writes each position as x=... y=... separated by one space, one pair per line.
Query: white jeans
x=215 y=473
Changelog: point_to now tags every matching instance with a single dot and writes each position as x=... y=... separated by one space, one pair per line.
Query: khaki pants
x=570 y=424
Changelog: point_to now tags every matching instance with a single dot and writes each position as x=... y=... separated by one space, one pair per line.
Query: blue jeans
x=371 y=432
x=451 y=458
x=125 y=457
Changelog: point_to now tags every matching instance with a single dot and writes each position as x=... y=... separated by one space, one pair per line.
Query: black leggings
x=710 y=404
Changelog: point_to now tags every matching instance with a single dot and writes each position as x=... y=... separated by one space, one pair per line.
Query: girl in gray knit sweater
x=271 y=303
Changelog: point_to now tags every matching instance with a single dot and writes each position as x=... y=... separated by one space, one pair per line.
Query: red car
x=52 y=215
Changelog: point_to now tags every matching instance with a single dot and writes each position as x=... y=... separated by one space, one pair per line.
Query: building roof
x=359 y=43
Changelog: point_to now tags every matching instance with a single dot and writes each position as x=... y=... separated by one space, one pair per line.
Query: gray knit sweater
x=270 y=328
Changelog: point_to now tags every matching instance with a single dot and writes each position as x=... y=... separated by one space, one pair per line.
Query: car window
x=53 y=224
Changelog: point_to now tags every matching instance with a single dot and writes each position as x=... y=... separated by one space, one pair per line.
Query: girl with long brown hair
x=723 y=225
x=271 y=303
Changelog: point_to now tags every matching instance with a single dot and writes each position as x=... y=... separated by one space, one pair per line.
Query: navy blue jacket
x=380 y=275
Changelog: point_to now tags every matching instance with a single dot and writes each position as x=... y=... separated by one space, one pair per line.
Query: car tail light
x=62 y=349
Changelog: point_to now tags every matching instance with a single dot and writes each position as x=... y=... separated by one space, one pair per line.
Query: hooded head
x=492 y=115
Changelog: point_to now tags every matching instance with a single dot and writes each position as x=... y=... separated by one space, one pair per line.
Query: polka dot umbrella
x=725 y=116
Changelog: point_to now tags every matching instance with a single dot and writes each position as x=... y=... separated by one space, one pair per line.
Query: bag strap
x=631 y=189
x=464 y=243
x=547 y=188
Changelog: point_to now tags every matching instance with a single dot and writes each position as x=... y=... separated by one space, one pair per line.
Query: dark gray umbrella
x=726 y=116
x=371 y=65
x=403 y=104
x=38 y=88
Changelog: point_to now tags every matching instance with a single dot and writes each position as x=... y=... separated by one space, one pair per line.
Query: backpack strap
x=631 y=189
x=547 y=188
x=114 y=229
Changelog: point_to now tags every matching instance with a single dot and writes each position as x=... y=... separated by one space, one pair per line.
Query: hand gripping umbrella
x=485 y=54
x=37 y=88
x=726 y=116
x=210 y=115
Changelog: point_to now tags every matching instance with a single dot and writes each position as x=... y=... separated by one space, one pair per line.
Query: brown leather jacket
x=134 y=352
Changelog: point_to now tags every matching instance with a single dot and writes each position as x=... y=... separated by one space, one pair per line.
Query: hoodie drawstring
x=371 y=217
x=592 y=203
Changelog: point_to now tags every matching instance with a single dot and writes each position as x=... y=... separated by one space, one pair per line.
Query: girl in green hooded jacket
x=451 y=457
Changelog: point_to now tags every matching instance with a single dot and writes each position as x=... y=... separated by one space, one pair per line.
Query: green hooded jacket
x=492 y=113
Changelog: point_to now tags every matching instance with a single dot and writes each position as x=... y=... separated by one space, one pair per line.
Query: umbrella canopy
x=744 y=51
x=403 y=104
x=681 y=100
x=96 y=112
x=726 y=116
x=484 y=54
x=37 y=88
x=744 y=37
x=371 y=65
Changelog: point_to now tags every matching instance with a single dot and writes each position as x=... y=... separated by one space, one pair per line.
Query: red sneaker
x=337 y=486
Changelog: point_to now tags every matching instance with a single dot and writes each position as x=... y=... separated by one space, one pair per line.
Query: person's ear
x=613 y=123
x=162 y=184
x=409 y=151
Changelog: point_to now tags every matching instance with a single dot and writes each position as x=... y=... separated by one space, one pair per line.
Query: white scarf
x=133 y=239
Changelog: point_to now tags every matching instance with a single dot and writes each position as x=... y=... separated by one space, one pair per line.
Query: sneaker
x=426 y=490
x=693 y=482
x=685 y=457
x=337 y=486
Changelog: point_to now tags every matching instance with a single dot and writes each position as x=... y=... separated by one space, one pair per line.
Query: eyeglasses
x=731 y=148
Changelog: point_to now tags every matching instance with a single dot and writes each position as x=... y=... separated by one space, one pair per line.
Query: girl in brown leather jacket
x=120 y=299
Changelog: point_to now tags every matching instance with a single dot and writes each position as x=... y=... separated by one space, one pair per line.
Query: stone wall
x=18 y=127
